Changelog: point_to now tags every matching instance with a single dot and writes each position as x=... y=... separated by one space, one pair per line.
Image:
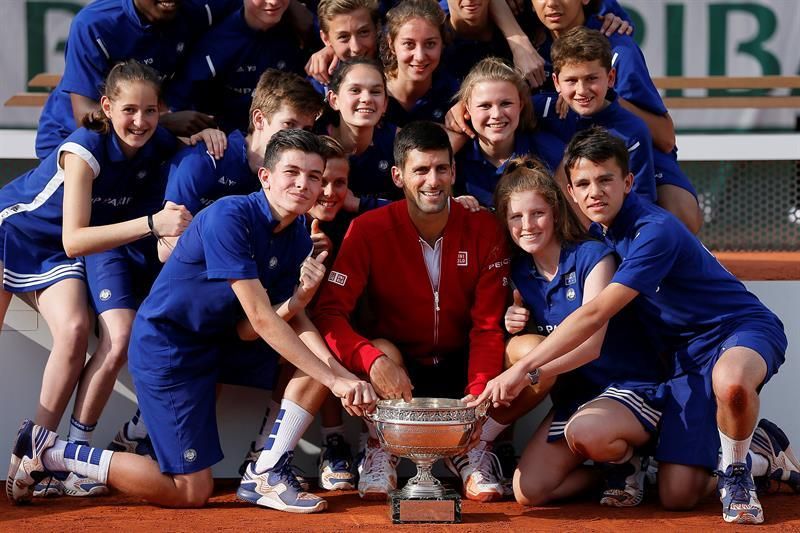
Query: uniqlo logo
x=337 y=278
x=461 y=260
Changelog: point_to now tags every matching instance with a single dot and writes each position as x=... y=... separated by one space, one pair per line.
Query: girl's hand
x=171 y=221
x=216 y=141
x=612 y=23
x=470 y=202
x=321 y=65
x=503 y=389
x=516 y=315
x=457 y=120
x=321 y=242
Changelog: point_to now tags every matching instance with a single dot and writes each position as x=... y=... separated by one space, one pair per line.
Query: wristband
x=152 y=227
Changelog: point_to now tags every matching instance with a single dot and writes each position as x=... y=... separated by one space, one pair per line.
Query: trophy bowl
x=425 y=430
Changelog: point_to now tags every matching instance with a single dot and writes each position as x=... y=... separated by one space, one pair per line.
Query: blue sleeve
x=191 y=180
x=640 y=155
x=549 y=148
x=590 y=253
x=634 y=83
x=86 y=63
x=649 y=258
x=226 y=244
x=612 y=6
x=367 y=203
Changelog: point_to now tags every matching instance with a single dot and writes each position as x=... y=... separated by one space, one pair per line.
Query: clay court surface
x=346 y=512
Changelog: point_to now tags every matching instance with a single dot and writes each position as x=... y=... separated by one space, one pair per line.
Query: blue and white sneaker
x=123 y=443
x=772 y=443
x=26 y=468
x=737 y=492
x=49 y=487
x=335 y=464
x=79 y=486
x=277 y=488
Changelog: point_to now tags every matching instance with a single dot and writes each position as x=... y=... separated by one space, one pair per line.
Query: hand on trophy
x=504 y=388
x=475 y=438
x=358 y=397
x=390 y=379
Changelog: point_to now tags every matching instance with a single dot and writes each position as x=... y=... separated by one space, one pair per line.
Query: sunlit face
x=285 y=118
x=418 y=47
x=559 y=16
x=134 y=114
x=427 y=179
x=264 y=14
x=334 y=190
x=531 y=221
x=361 y=99
x=599 y=189
x=494 y=108
x=352 y=35
x=475 y=13
x=584 y=86
x=158 y=11
x=293 y=186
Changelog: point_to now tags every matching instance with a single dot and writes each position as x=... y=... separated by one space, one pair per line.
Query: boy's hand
x=312 y=273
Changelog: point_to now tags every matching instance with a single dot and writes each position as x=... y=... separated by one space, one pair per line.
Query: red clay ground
x=762 y=265
x=346 y=512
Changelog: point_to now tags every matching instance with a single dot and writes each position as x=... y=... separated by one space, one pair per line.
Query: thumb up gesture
x=516 y=314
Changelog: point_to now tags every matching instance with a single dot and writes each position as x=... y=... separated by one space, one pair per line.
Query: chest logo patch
x=273 y=262
x=337 y=278
x=462 y=259
x=570 y=294
x=571 y=279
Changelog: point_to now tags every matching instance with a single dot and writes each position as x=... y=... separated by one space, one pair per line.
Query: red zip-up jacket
x=381 y=259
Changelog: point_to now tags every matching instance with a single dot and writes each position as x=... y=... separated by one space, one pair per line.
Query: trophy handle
x=482 y=410
x=372 y=417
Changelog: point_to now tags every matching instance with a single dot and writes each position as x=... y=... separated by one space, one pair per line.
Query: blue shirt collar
x=566 y=264
x=523 y=144
x=628 y=214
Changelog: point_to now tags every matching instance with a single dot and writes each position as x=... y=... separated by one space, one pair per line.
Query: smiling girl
x=411 y=51
x=78 y=202
x=497 y=100
x=358 y=94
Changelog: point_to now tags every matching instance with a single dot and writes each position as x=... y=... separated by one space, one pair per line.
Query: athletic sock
x=760 y=465
x=333 y=430
x=291 y=423
x=80 y=433
x=136 y=430
x=84 y=460
x=733 y=451
x=492 y=429
x=266 y=425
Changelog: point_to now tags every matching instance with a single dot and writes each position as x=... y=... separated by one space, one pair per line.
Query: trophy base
x=444 y=509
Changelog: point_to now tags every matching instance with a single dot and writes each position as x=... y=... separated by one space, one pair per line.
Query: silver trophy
x=425 y=430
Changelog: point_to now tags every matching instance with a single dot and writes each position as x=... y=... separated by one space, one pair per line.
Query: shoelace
x=738 y=484
x=288 y=471
x=487 y=469
x=377 y=461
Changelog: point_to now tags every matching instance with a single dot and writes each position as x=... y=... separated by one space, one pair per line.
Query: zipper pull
x=436 y=299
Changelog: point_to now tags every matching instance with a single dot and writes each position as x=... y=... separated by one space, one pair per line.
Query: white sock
x=492 y=429
x=733 y=451
x=136 y=428
x=333 y=430
x=80 y=433
x=267 y=424
x=291 y=423
x=83 y=460
x=760 y=465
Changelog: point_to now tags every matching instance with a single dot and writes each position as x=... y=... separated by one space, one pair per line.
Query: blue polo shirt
x=627 y=355
x=196 y=179
x=183 y=325
x=34 y=202
x=461 y=54
x=619 y=122
x=104 y=33
x=686 y=296
x=478 y=177
x=223 y=69
x=370 y=175
x=433 y=105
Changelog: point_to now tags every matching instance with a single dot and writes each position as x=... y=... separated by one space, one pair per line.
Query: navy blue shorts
x=689 y=434
x=33 y=263
x=120 y=278
x=250 y=364
x=668 y=172
x=645 y=402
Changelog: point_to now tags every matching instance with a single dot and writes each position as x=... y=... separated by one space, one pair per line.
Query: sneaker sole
x=484 y=497
x=261 y=501
x=374 y=496
x=91 y=493
x=783 y=441
x=13 y=468
x=744 y=518
x=612 y=501
x=339 y=485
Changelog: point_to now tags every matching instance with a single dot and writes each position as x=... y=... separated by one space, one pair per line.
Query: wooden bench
x=42 y=80
x=766 y=101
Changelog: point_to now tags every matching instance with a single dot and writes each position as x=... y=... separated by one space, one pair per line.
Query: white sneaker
x=377 y=472
x=81 y=486
x=480 y=471
x=49 y=487
x=625 y=483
